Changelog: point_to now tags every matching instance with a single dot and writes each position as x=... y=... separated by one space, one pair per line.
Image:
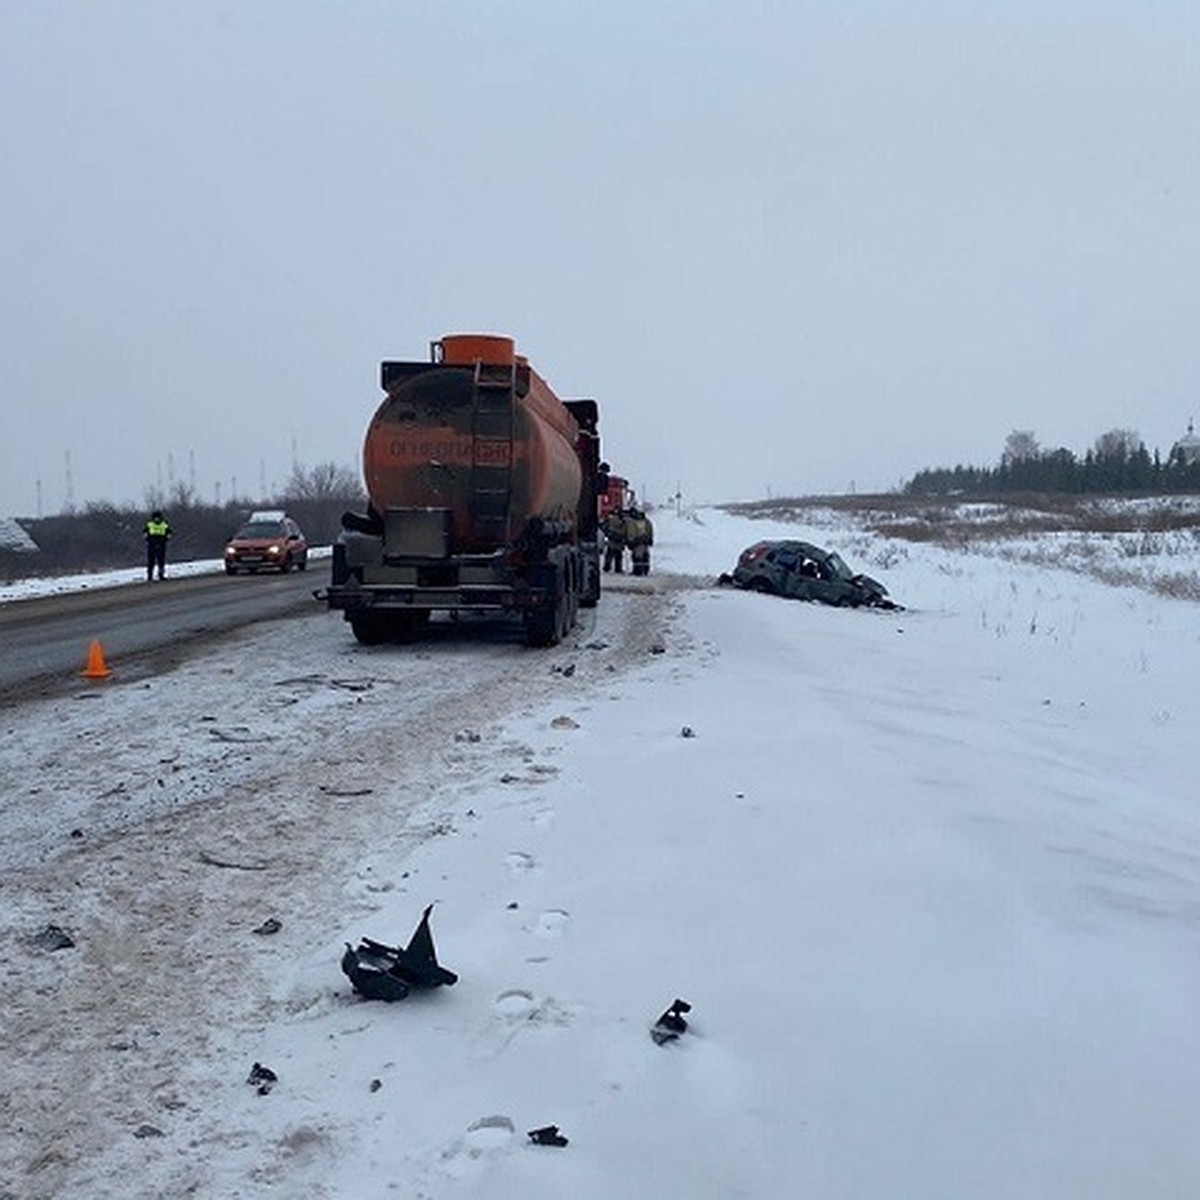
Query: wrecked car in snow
x=803 y=571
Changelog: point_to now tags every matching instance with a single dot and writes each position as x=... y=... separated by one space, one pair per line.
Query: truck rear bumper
x=351 y=598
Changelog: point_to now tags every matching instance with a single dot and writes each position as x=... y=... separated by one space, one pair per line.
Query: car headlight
x=273 y=550
x=229 y=551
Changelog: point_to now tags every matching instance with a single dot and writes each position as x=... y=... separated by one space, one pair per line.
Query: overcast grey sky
x=788 y=247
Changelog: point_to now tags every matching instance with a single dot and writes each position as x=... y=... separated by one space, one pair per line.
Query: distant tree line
x=103 y=536
x=1118 y=461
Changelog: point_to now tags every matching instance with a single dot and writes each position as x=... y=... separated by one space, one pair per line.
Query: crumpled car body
x=802 y=571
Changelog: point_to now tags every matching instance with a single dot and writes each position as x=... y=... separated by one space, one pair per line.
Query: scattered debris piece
x=376 y=1084
x=595 y=645
x=468 y=735
x=513 y=904
x=353 y=685
x=564 y=723
x=295 y=679
x=566 y=671
x=687 y=731
x=148 y=1131
x=213 y=861
x=380 y=972
x=239 y=735
x=263 y=1079
x=347 y=793
x=658 y=648
x=548 y=1135
x=671 y=1024
x=77 y=833
x=269 y=926
x=509 y=777
x=53 y=937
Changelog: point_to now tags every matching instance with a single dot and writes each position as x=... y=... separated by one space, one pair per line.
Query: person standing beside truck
x=614 y=541
x=639 y=535
x=158 y=530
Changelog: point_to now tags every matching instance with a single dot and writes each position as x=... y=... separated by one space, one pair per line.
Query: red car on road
x=269 y=541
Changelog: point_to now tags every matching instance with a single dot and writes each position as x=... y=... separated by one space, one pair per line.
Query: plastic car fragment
x=381 y=972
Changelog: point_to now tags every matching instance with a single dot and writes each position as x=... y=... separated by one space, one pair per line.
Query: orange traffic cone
x=96 y=667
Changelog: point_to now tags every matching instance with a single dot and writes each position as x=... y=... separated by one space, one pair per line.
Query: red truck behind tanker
x=482 y=496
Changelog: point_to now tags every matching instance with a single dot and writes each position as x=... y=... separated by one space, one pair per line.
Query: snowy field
x=930 y=880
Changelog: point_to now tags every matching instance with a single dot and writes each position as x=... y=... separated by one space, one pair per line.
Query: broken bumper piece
x=381 y=972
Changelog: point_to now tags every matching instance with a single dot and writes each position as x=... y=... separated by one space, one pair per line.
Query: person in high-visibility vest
x=158 y=529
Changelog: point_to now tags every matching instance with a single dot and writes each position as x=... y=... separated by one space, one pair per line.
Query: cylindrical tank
x=460 y=435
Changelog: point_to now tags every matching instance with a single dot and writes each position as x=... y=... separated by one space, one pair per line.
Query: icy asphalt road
x=143 y=627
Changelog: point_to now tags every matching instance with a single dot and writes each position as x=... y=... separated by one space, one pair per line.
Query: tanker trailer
x=482 y=497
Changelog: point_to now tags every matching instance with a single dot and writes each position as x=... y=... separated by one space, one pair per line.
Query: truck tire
x=542 y=627
x=369 y=629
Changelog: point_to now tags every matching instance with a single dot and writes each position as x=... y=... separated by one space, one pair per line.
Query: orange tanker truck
x=482 y=497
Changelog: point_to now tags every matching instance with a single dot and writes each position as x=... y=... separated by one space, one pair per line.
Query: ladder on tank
x=492 y=418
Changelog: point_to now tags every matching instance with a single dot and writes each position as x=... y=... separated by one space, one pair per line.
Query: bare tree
x=324 y=481
x=1020 y=446
x=317 y=496
x=1118 y=444
x=182 y=495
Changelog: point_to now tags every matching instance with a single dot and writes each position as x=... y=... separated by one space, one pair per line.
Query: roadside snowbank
x=61 y=585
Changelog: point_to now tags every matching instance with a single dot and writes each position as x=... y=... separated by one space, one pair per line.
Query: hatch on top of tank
x=488 y=350
x=466 y=349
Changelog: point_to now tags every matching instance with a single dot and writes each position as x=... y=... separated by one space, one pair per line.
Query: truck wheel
x=542 y=626
x=570 y=607
x=369 y=630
